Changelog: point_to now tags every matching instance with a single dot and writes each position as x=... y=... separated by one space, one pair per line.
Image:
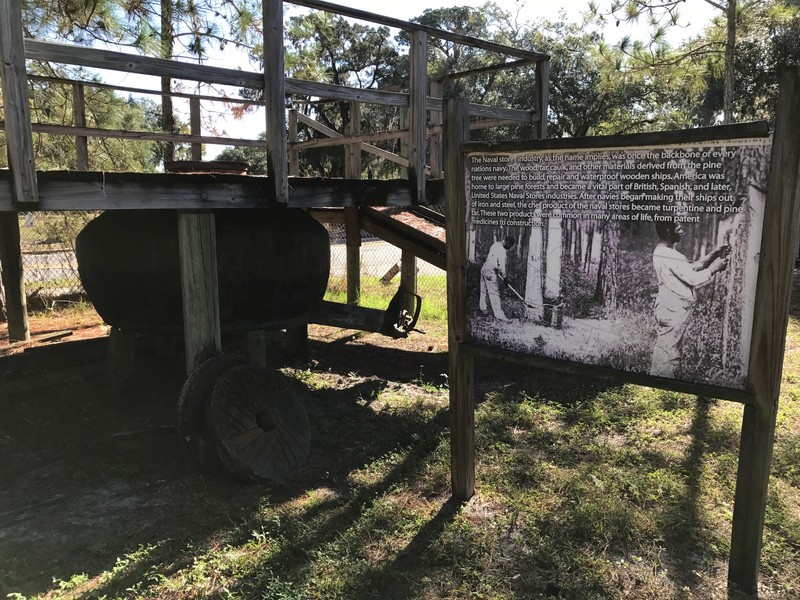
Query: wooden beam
x=71 y=190
x=778 y=251
x=405 y=237
x=542 y=97
x=492 y=68
x=16 y=106
x=11 y=268
x=197 y=245
x=412 y=27
x=418 y=114
x=462 y=409
x=275 y=98
x=352 y=224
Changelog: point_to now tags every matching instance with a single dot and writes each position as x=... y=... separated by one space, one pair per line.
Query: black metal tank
x=273 y=267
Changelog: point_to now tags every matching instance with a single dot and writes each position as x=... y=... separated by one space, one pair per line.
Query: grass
x=584 y=491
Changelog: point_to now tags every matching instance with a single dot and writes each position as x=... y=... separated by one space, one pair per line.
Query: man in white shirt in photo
x=493 y=273
x=677 y=280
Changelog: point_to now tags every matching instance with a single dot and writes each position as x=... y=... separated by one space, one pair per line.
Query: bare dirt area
x=88 y=477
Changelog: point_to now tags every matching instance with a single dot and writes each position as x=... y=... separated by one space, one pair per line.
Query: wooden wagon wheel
x=261 y=428
x=192 y=405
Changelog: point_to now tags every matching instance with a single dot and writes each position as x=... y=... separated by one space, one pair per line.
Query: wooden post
x=462 y=409
x=408 y=262
x=542 y=96
x=294 y=155
x=16 y=105
x=79 y=120
x=352 y=217
x=195 y=128
x=352 y=227
x=275 y=99
x=437 y=91
x=353 y=151
x=11 y=267
x=197 y=246
x=417 y=114
x=778 y=249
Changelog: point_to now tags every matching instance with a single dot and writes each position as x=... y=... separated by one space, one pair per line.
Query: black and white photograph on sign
x=638 y=259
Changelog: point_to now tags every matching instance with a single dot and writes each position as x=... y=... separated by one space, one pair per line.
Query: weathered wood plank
x=778 y=251
x=16 y=106
x=417 y=114
x=405 y=237
x=542 y=97
x=71 y=190
x=462 y=408
x=275 y=99
x=199 y=287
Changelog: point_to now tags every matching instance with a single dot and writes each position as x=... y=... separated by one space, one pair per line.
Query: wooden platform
x=75 y=190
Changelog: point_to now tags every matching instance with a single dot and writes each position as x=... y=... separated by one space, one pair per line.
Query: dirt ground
x=87 y=476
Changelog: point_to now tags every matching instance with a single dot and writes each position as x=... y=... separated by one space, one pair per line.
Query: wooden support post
x=275 y=99
x=195 y=128
x=197 y=246
x=408 y=262
x=11 y=268
x=417 y=114
x=778 y=249
x=352 y=226
x=462 y=409
x=294 y=155
x=79 y=120
x=542 y=96
x=16 y=104
x=353 y=151
x=437 y=91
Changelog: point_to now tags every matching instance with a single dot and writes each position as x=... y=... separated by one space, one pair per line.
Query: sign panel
x=643 y=259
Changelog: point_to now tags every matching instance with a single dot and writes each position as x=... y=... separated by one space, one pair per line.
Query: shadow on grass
x=133 y=497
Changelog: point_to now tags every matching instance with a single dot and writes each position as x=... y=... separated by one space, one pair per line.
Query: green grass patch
x=376 y=294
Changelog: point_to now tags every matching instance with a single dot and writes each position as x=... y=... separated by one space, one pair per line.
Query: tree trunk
x=606 y=288
x=167 y=44
x=552 y=285
x=533 y=281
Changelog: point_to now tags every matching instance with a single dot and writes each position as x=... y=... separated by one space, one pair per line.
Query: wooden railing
x=424 y=109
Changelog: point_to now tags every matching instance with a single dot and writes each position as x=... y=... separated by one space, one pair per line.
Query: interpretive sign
x=643 y=259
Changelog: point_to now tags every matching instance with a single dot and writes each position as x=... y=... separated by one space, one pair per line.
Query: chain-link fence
x=50 y=269
x=380 y=275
